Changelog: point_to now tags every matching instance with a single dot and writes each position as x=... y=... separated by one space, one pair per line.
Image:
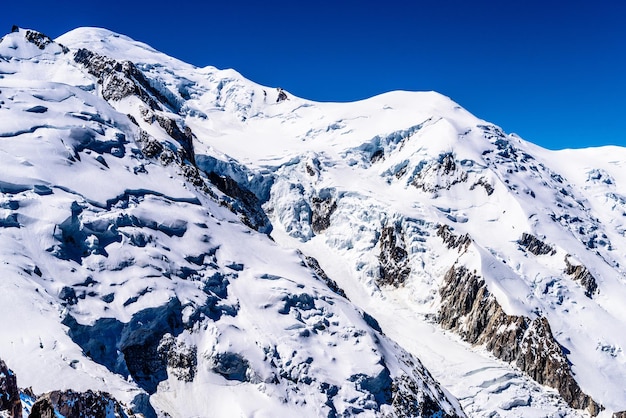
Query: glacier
x=195 y=244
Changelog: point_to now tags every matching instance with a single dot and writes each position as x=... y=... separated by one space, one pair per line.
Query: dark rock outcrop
x=423 y=398
x=42 y=408
x=468 y=308
x=410 y=401
x=542 y=358
x=120 y=79
x=9 y=392
x=185 y=139
x=243 y=201
x=123 y=79
x=394 y=261
x=534 y=245
x=314 y=265
x=281 y=95
x=41 y=40
x=441 y=174
x=322 y=207
x=583 y=276
x=150 y=147
x=485 y=184
x=77 y=404
x=181 y=360
x=453 y=241
x=67 y=403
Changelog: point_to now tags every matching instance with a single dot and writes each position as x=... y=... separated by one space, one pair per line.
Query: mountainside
x=180 y=241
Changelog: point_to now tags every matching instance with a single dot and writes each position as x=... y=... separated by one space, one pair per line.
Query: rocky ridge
x=486 y=234
x=471 y=310
x=149 y=287
x=18 y=402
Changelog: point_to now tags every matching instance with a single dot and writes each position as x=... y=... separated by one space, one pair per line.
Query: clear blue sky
x=553 y=72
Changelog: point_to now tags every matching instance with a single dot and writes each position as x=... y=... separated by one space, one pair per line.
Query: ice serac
x=184 y=234
x=138 y=277
x=520 y=274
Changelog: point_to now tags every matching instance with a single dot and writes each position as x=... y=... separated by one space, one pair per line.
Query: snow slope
x=124 y=270
x=135 y=193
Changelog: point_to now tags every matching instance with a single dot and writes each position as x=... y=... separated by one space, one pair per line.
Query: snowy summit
x=180 y=241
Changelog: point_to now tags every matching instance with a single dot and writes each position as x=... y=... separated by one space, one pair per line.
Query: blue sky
x=553 y=72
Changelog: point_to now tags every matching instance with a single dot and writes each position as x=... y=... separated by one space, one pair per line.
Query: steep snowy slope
x=125 y=270
x=384 y=186
x=133 y=182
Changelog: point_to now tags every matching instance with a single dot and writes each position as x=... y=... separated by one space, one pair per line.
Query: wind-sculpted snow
x=130 y=263
x=132 y=186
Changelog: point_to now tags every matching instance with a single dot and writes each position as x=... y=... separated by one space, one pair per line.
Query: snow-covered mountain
x=180 y=241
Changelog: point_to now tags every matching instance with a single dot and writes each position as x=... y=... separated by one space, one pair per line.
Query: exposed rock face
x=485 y=185
x=181 y=360
x=56 y=403
x=534 y=245
x=314 y=265
x=583 y=276
x=322 y=207
x=393 y=258
x=281 y=95
x=42 y=408
x=469 y=308
x=409 y=401
x=453 y=241
x=184 y=158
x=243 y=201
x=123 y=79
x=40 y=39
x=440 y=174
x=77 y=404
x=150 y=147
x=543 y=359
x=120 y=79
x=9 y=392
x=185 y=139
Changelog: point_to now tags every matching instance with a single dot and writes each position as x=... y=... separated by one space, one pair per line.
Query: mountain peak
x=88 y=34
x=167 y=230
